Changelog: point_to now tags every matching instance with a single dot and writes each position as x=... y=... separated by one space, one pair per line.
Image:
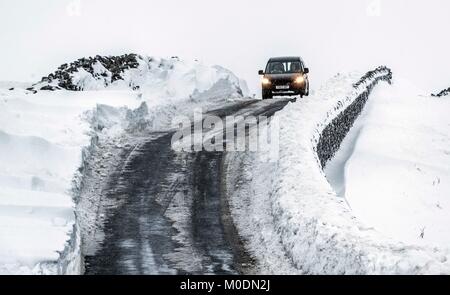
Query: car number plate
x=282 y=87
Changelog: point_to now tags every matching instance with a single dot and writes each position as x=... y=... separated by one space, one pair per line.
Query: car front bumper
x=285 y=89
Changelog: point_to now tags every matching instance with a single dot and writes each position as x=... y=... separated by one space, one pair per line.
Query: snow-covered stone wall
x=334 y=133
x=313 y=229
x=316 y=227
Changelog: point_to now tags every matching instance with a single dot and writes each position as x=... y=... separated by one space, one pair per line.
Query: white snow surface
x=41 y=141
x=158 y=78
x=396 y=171
x=310 y=228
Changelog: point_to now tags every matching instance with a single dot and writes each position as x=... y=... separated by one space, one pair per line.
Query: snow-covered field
x=308 y=226
x=42 y=136
x=394 y=168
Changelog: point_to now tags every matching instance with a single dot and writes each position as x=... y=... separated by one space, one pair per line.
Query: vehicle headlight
x=299 y=80
x=266 y=81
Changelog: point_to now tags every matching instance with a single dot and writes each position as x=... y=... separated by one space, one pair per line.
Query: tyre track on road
x=171 y=215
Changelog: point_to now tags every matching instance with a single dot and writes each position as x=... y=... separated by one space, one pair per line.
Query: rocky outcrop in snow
x=444 y=92
x=105 y=70
x=173 y=76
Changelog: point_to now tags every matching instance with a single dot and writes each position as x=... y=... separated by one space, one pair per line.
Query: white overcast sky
x=411 y=36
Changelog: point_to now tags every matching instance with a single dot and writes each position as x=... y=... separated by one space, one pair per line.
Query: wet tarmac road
x=170 y=215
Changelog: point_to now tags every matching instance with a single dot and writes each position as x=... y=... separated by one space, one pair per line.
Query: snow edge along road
x=309 y=227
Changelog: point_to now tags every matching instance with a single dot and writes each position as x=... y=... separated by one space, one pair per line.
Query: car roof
x=286 y=58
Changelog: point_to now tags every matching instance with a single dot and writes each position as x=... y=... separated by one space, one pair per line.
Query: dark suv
x=285 y=76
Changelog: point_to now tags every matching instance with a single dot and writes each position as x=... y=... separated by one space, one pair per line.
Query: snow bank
x=248 y=179
x=158 y=77
x=46 y=137
x=400 y=165
x=41 y=137
x=317 y=230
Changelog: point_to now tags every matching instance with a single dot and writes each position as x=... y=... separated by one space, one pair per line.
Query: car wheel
x=267 y=95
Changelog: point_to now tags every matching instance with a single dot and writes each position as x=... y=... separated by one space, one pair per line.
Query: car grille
x=281 y=82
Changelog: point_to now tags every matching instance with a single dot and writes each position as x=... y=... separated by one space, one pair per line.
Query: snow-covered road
x=95 y=174
x=166 y=212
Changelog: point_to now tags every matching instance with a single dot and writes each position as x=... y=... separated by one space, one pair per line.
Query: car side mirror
x=260 y=72
x=306 y=71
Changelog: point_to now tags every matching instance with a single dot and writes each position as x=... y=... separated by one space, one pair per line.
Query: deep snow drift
x=394 y=167
x=309 y=228
x=159 y=78
x=43 y=133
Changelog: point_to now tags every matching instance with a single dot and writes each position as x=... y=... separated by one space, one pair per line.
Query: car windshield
x=283 y=67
